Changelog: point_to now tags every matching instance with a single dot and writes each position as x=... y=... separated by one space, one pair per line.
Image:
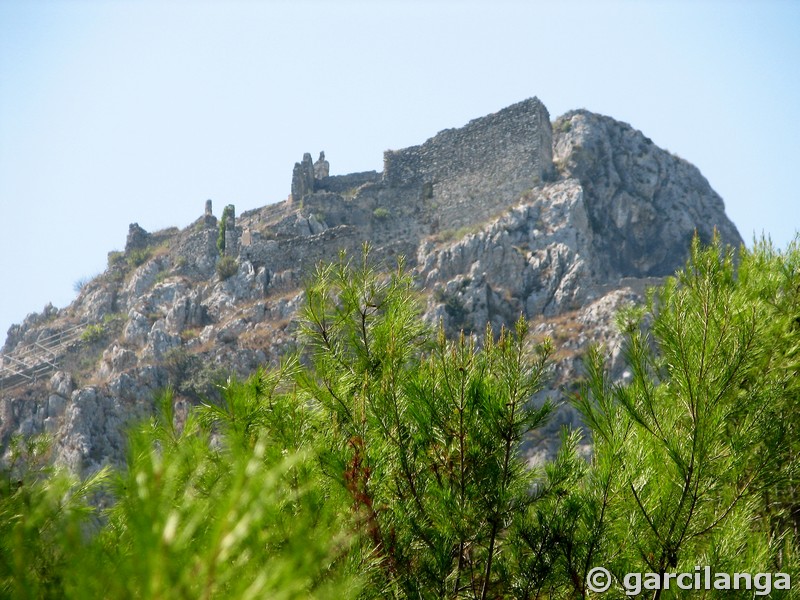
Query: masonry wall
x=343 y=184
x=302 y=253
x=470 y=173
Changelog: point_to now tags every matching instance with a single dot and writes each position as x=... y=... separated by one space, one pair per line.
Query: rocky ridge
x=564 y=222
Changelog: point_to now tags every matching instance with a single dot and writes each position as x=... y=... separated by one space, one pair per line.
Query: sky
x=114 y=112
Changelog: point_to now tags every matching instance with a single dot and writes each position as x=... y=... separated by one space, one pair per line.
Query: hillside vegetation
x=381 y=460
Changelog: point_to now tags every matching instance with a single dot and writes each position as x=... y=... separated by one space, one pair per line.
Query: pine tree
x=383 y=460
x=687 y=446
x=424 y=433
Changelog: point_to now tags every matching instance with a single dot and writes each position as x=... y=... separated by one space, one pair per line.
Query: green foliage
x=227 y=266
x=190 y=376
x=424 y=434
x=563 y=126
x=43 y=514
x=242 y=519
x=383 y=461
x=695 y=457
x=113 y=324
x=449 y=235
x=770 y=282
x=93 y=333
x=139 y=256
x=81 y=283
x=116 y=258
x=227 y=212
x=453 y=305
x=381 y=213
x=114 y=319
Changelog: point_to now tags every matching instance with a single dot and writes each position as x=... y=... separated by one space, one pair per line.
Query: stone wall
x=198 y=252
x=471 y=172
x=342 y=184
x=300 y=253
x=458 y=177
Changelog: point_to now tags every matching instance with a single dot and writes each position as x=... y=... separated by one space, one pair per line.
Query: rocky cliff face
x=643 y=203
x=564 y=223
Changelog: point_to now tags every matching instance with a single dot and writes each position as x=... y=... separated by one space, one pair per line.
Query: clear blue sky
x=119 y=111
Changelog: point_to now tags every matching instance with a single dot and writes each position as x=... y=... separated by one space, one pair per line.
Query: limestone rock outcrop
x=643 y=203
x=563 y=222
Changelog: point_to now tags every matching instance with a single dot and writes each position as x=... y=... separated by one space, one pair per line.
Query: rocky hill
x=564 y=222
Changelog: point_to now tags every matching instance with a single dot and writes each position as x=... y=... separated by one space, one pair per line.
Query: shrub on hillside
x=227 y=266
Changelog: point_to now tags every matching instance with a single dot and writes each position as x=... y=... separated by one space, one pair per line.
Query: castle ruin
x=459 y=176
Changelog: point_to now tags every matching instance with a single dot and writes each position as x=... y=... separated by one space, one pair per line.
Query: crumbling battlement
x=458 y=177
x=344 y=184
x=307 y=175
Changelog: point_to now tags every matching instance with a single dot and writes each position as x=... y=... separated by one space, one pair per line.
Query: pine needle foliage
x=43 y=510
x=383 y=460
x=693 y=452
x=232 y=518
x=424 y=433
